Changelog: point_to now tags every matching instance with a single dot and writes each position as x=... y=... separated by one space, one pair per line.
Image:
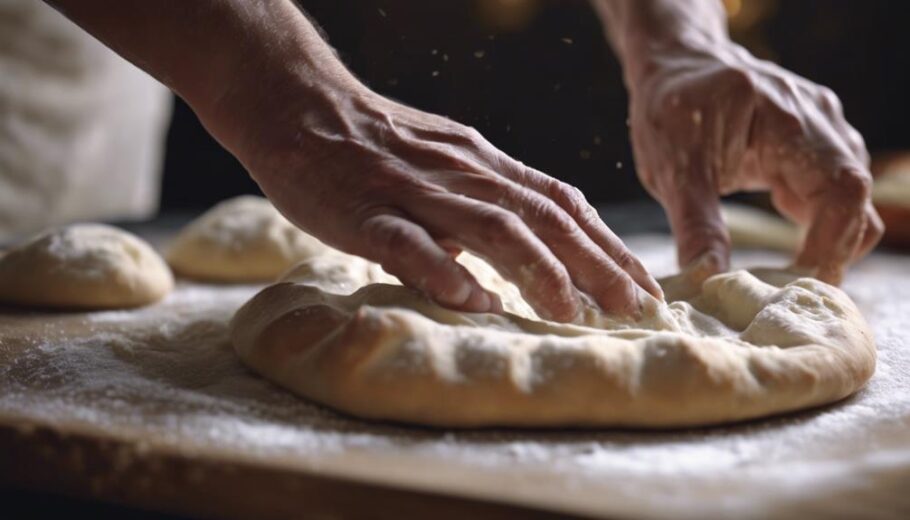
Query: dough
x=752 y=228
x=244 y=239
x=891 y=197
x=743 y=345
x=90 y=266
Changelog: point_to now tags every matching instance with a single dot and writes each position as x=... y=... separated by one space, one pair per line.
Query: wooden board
x=151 y=408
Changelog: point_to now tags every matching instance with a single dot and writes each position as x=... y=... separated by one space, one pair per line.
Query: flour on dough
x=88 y=266
x=244 y=239
x=743 y=345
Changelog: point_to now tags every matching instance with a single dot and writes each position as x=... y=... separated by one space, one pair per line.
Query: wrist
x=647 y=33
x=280 y=68
x=276 y=99
x=646 y=59
x=284 y=111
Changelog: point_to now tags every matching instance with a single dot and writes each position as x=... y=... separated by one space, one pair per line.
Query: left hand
x=712 y=120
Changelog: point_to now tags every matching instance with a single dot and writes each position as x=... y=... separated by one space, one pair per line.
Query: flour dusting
x=166 y=375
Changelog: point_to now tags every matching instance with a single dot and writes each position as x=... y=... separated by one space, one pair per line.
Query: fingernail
x=655 y=290
x=481 y=301
x=643 y=302
x=706 y=265
x=461 y=296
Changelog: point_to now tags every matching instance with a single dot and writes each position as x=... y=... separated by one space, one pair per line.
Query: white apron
x=81 y=130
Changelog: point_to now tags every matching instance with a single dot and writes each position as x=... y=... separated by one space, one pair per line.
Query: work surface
x=164 y=380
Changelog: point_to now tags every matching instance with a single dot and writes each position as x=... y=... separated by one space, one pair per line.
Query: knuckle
x=501 y=226
x=472 y=136
x=625 y=259
x=616 y=284
x=552 y=219
x=857 y=143
x=853 y=185
x=829 y=100
x=785 y=85
x=738 y=80
x=387 y=237
x=552 y=282
x=567 y=196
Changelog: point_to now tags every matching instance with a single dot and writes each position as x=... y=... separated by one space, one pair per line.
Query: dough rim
x=350 y=337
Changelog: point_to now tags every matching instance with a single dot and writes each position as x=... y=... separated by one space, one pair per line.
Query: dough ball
x=85 y=266
x=244 y=239
x=891 y=197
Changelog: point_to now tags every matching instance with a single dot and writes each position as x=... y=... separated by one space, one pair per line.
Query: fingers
x=839 y=224
x=693 y=208
x=875 y=228
x=821 y=180
x=573 y=202
x=799 y=210
x=591 y=268
x=504 y=240
x=407 y=251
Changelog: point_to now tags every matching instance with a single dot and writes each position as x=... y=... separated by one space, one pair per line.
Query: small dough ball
x=84 y=266
x=244 y=239
x=891 y=197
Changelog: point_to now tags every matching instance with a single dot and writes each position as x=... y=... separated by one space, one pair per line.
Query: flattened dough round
x=86 y=266
x=244 y=239
x=741 y=346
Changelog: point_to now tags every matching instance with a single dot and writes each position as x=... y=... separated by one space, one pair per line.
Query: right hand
x=408 y=190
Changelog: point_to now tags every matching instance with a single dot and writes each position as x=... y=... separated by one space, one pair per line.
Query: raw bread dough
x=891 y=197
x=753 y=228
x=84 y=266
x=892 y=187
x=244 y=239
x=743 y=345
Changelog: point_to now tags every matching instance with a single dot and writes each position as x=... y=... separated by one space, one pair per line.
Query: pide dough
x=736 y=346
x=84 y=266
x=244 y=239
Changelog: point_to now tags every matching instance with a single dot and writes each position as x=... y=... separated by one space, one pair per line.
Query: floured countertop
x=164 y=378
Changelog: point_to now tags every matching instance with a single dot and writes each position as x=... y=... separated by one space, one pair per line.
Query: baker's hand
x=712 y=120
x=407 y=189
x=364 y=174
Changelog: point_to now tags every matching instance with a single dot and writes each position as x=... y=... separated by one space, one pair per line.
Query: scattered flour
x=166 y=375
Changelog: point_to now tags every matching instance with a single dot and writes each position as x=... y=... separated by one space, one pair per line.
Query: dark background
x=537 y=78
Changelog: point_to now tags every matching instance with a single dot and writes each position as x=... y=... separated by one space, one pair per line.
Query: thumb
x=702 y=239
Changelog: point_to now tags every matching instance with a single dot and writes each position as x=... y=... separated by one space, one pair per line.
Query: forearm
x=206 y=49
x=640 y=30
